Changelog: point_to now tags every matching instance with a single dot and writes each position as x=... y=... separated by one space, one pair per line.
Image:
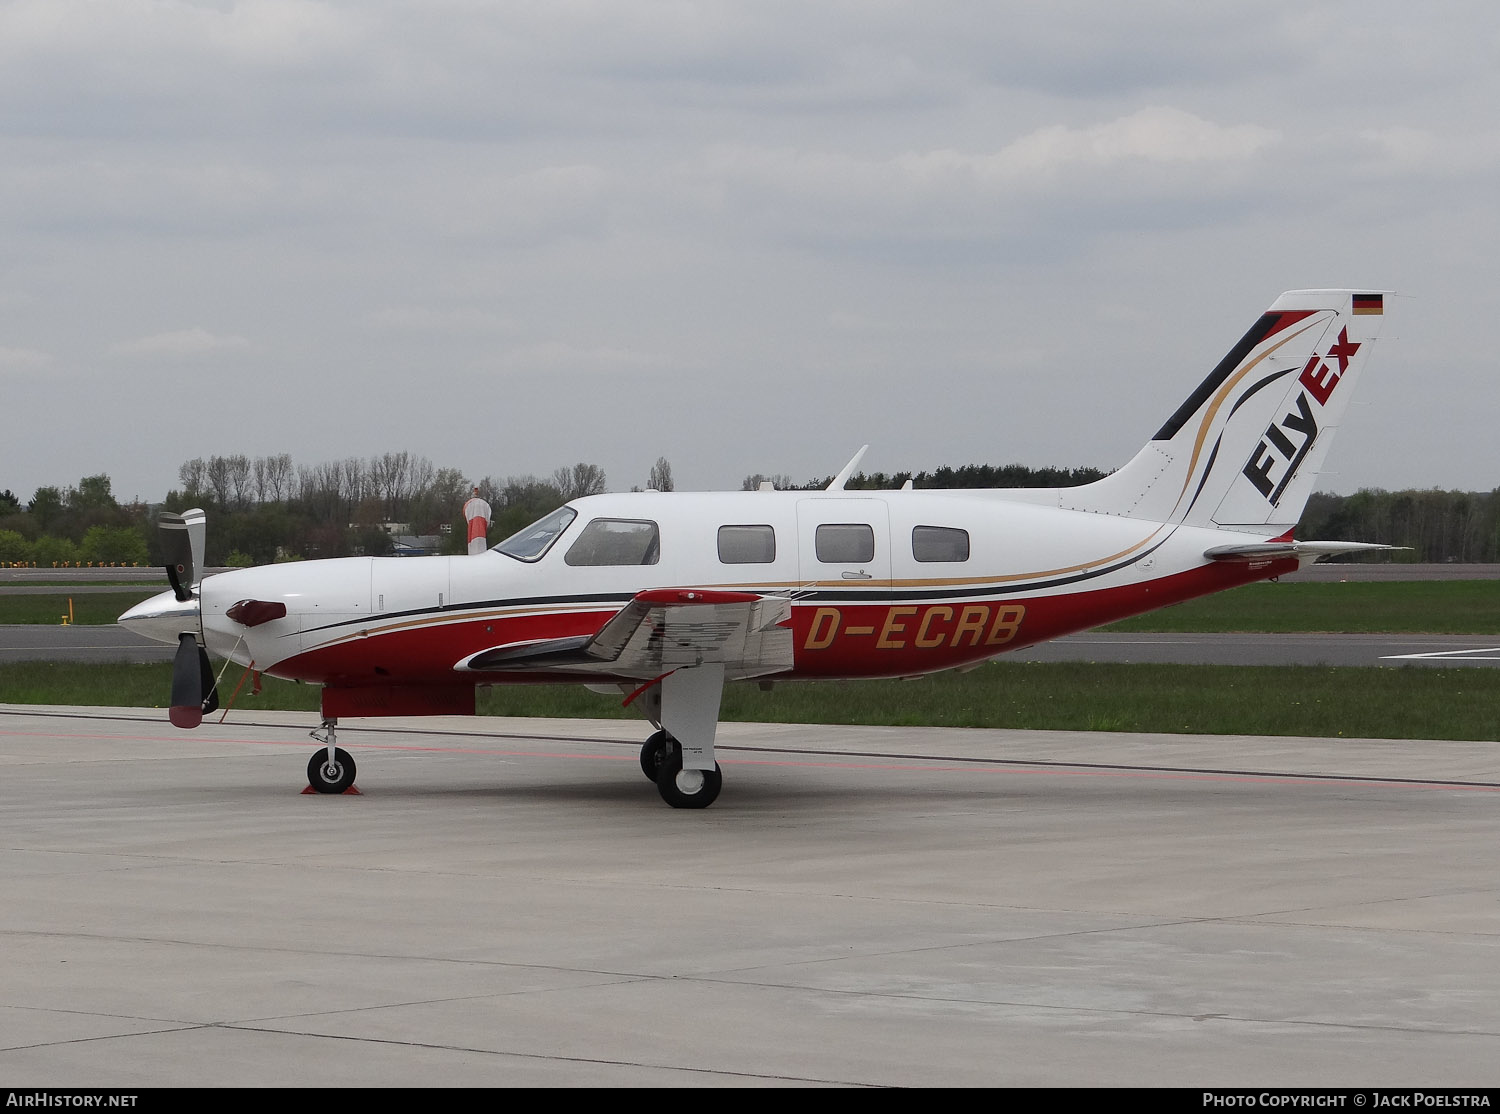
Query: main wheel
x=687 y=788
x=651 y=754
x=332 y=777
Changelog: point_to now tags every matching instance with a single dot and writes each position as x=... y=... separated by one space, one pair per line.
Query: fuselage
x=881 y=584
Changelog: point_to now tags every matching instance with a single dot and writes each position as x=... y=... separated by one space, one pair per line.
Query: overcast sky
x=746 y=236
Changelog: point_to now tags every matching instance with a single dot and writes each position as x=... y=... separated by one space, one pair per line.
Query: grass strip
x=1406 y=702
x=1347 y=607
x=91 y=609
x=143 y=582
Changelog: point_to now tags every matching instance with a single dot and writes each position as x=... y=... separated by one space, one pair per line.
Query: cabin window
x=616 y=541
x=845 y=543
x=939 y=543
x=747 y=545
x=532 y=542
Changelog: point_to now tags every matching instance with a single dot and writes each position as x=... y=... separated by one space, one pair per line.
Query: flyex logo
x=1276 y=459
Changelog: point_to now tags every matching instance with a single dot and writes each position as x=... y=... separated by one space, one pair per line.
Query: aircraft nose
x=163 y=617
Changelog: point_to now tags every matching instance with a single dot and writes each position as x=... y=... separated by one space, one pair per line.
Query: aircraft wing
x=659 y=631
x=1306 y=552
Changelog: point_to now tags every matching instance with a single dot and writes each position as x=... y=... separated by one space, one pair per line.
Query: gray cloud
x=745 y=237
x=196 y=341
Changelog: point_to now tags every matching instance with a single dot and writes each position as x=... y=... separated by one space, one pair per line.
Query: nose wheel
x=331 y=776
x=330 y=769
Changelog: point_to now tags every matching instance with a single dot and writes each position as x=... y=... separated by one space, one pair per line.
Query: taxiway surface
x=863 y=906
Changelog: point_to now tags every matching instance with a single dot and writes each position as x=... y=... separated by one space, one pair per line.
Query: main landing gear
x=661 y=762
x=330 y=770
x=683 y=705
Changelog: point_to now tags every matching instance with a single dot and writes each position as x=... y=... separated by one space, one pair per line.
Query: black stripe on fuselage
x=1007 y=590
x=457 y=608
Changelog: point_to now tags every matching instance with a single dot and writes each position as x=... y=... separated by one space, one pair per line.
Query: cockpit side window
x=532 y=543
x=616 y=541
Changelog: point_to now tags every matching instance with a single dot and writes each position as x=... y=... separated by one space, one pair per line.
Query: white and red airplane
x=666 y=597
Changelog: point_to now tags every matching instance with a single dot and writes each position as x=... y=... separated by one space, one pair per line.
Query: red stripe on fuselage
x=425 y=653
x=906 y=639
x=888 y=639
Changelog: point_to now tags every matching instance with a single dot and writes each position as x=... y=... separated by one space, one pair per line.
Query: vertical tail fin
x=1244 y=450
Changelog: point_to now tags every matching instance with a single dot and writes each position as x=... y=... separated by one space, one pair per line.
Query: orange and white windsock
x=477 y=512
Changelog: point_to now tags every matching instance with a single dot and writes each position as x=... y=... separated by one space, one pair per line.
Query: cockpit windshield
x=532 y=542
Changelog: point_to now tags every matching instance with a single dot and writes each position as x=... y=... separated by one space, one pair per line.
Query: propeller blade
x=183 y=537
x=208 y=686
x=188 y=669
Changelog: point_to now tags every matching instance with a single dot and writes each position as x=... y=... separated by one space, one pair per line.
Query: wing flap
x=662 y=630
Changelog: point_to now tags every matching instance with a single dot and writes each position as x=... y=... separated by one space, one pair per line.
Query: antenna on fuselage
x=842 y=478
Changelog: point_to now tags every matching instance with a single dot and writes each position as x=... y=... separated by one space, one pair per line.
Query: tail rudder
x=1244 y=450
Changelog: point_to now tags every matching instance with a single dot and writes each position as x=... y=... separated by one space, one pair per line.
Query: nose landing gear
x=330 y=769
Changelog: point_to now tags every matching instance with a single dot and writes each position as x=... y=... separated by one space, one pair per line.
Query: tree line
x=265 y=509
x=79 y=524
x=1438 y=526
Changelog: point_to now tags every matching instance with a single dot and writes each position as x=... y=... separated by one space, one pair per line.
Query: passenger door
x=844 y=542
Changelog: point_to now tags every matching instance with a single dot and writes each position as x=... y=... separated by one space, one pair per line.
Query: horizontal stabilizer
x=1306 y=552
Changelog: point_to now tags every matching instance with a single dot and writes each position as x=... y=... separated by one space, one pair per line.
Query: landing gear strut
x=330 y=770
x=683 y=705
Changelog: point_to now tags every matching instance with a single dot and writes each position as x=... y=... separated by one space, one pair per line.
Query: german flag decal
x=1369 y=303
